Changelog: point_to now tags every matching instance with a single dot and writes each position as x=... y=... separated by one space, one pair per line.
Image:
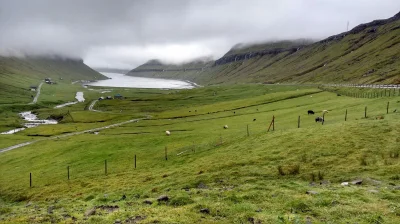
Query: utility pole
x=348 y=26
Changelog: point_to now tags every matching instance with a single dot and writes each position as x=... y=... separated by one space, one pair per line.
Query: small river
x=121 y=80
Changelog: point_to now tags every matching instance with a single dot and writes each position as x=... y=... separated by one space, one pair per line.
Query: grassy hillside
x=369 y=53
x=18 y=74
x=212 y=174
x=248 y=48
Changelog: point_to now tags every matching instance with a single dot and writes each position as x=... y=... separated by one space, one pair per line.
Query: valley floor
x=203 y=172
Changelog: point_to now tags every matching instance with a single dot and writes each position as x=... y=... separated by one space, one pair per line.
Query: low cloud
x=126 y=33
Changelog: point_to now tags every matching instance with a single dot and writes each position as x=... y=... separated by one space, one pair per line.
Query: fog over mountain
x=125 y=33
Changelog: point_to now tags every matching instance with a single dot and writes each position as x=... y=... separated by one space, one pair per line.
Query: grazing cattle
x=254 y=119
x=310 y=112
x=319 y=119
x=167 y=133
x=234 y=112
x=226 y=127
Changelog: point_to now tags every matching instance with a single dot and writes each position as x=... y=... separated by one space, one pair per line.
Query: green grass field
x=212 y=174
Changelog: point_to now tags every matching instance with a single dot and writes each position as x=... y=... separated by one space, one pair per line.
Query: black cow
x=254 y=119
x=310 y=112
x=319 y=119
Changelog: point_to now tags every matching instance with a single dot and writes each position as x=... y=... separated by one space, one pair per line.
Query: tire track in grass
x=71 y=134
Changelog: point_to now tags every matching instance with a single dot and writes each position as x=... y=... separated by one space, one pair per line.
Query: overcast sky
x=127 y=33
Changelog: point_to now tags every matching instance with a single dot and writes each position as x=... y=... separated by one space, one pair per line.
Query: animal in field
x=310 y=112
x=254 y=119
x=168 y=133
x=226 y=126
x=319 y=119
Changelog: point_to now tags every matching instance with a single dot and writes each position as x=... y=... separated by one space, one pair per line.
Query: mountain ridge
x=345 y=57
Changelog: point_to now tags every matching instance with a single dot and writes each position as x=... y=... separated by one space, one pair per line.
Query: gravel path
x=37 y=94
x=92 y=105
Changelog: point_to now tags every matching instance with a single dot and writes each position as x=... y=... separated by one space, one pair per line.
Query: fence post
x=387 y=108
x=166 y=155
x=345 y=116
x=323 y=118
x=298 y=123
x=135 y=161
x=68 y=171
x=105 y=167
x=248 y=134
x=365 y=112
x=30 y=179
x=273 y=123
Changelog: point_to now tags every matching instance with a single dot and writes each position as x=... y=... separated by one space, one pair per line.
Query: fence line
x=207 y=146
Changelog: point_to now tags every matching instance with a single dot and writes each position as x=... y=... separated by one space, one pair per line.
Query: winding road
x=37 y=94
x=92 y=105
x=70 y=134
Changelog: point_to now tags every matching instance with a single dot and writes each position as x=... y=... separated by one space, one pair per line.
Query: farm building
x=118 y=96
x=33 y=88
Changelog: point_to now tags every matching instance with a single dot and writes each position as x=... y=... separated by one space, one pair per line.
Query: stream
x=31 y=122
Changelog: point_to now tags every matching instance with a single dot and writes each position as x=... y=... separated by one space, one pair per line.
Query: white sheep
x=168 y=133
x=226 y=126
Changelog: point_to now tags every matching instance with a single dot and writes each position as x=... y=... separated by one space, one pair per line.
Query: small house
x=33 y=88
x=101 y=98
x=118 y=96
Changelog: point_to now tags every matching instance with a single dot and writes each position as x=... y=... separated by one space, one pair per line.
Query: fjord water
x=121 y=80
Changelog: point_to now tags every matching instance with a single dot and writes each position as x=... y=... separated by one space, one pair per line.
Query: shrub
x=396 y=177
x=294 y=170
x=4 y=210
x=363 y=160
x=180 y=201
x=290 y=170
x=304 y=158
x=394 y=154
x=312 y=177
x=320 y=175
x=280 y=171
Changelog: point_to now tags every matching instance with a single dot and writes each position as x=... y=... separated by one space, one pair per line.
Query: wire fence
x=363 y=93
x=51 y=174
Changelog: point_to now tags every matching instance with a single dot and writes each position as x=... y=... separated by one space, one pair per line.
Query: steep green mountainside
x=369 y=53
x=259 y=47
x=18 y=74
